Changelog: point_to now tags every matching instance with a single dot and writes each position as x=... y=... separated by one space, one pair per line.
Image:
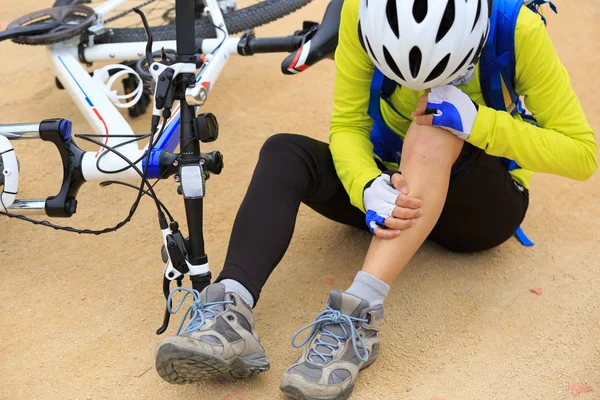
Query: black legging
x=483 y=209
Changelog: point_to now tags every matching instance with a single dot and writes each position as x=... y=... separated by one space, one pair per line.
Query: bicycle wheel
x=125 y=27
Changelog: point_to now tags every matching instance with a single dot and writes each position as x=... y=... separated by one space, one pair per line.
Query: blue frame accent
x=168 y=141
x=75 y=80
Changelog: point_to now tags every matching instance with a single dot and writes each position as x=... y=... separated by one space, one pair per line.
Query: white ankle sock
x=369 y=287
x=240 y=290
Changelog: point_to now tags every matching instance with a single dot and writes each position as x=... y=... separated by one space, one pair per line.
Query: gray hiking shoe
x=219 y=340
x=344 y=339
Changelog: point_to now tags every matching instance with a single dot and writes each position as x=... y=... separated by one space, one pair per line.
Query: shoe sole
x=295 y=393
x=178 y=366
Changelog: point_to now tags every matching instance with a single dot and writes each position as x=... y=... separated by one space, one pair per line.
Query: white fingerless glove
x=379 y=199
x=452 y=110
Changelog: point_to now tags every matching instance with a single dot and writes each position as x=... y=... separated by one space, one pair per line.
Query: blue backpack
x=497 y=67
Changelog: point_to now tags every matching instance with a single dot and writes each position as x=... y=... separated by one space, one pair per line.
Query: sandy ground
x=79 y=313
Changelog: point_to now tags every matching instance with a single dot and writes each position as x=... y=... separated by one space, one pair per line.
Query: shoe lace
x=325 y=319
x=198 y=312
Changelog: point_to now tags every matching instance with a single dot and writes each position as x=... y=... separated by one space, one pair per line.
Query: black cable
x=136 y=139
x=136 y=169
x=146 y=193
x=141 y=192
x=199 y=51
x=118 y=226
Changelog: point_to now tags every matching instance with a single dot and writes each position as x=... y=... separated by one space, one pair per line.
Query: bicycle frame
x=103 y=116
x=185 y=127
x=106 y=120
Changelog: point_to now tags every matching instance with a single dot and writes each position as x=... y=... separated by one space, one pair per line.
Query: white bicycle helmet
x=424 y=43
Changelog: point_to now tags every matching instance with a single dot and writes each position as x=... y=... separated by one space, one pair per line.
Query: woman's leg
x=427 y=159
x=291 y=169
x=483 y=206
x=220 y=338
x=459 y=186
x=329 y=364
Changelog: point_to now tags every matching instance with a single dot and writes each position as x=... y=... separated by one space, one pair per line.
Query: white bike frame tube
x=134 y=51
x=108 y=6
x=214 y=65
x=100 y=113
x=216 y=16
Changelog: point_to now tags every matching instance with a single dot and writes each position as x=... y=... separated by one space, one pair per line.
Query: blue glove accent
x=374 y=220
x=446 y=116
x=452 y=110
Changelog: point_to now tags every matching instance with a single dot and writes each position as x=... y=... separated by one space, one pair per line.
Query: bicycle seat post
x=190 y=159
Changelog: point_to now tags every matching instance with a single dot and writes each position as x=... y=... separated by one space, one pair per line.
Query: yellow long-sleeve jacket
x=563 y=144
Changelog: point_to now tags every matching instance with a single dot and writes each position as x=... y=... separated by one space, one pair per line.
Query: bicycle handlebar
x=272 y=45
x=322 y=41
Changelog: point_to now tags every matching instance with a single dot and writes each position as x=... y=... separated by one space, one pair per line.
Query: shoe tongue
x=346 y=304
x=212 y=294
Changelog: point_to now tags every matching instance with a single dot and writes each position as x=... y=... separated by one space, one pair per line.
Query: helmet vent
x=439 y=69
x=463 y=62
x=419 y=10
x=414 y=60
x=392 y=17
x=477 y=15
x=447 y=21
x=391 y=63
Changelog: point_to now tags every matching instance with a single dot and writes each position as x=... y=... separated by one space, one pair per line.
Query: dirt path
x=79 y=313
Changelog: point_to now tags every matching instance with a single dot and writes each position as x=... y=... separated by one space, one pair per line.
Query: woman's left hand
x=449 y=108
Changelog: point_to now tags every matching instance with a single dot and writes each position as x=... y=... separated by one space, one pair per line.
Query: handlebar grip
x=274 y=45
x=321 y=45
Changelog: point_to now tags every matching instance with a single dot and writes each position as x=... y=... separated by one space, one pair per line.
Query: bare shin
x=427 y=158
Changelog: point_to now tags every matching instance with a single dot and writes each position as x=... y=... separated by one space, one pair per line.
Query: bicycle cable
x=132 y=210
x=141 y=192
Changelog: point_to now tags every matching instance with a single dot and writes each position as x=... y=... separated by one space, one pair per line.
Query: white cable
x=102 y=76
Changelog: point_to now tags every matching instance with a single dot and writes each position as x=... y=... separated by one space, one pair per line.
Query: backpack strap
x=498 y=61
x=534 y=5
x=381 y=87
x=375 y=93
x=387 y=145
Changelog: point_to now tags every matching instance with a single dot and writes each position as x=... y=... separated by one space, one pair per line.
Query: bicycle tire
x=236 y=21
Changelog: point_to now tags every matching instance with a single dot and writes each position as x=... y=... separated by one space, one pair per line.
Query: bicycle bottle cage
x=58 y=132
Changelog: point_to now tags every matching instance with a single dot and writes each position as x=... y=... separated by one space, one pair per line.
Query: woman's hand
x=390 y=210
x=449 y=108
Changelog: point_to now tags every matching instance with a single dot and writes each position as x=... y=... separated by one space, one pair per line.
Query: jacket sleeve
x=350 y=128
x=563 y=144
